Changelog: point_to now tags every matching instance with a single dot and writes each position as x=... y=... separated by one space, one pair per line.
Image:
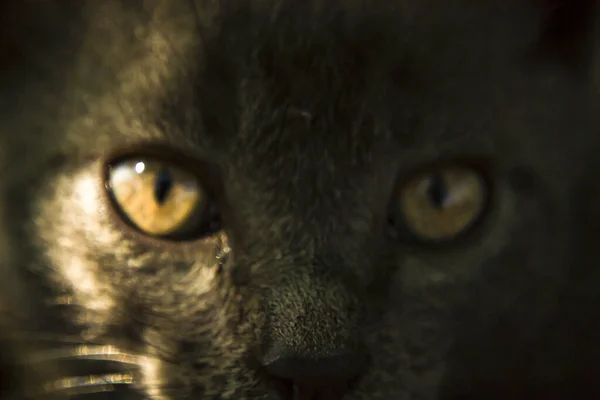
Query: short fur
x=301 y=117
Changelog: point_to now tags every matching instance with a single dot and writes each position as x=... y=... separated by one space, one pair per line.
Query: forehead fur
x=211 y=76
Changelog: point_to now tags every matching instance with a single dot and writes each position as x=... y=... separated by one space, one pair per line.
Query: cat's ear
x=569 y=32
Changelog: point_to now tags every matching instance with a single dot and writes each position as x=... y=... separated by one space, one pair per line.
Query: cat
x=310 y=200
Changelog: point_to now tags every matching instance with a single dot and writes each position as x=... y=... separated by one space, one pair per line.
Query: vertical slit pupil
x=162 y=185
x=437 y=190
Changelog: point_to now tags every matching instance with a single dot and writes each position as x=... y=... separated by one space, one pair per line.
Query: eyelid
x=398 y=222
x=185 y=226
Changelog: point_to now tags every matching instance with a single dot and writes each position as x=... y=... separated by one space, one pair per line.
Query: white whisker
x=88 y=384
x=87 y=352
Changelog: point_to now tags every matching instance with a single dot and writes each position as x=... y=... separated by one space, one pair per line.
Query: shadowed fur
x=301 y=118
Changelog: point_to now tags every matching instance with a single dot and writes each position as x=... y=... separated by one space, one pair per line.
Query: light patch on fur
x=84 y=227
x=77 y=204
x=150 y=377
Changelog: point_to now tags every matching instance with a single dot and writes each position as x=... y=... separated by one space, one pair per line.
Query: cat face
x=283 y=200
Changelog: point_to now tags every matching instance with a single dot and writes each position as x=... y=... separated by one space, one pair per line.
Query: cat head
x=268 y=199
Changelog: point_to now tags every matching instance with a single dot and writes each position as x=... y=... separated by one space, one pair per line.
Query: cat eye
x=439 y=205
x=159 y=198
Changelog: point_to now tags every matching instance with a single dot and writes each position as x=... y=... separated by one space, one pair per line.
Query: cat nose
x=314 y=377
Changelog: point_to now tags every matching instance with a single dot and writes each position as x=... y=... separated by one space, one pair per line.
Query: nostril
x=325 y=390
x=283 y=388
x=337 y=367
x=328 y=377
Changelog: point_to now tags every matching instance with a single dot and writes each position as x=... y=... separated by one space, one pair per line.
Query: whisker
x=85 y=352
x=89 y=384
x=82 y=350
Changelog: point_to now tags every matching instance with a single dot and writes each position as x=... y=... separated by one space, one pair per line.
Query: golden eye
x=158 y=198
x=442 y=204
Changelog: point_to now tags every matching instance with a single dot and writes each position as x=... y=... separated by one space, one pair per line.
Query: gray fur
x=308 y=113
